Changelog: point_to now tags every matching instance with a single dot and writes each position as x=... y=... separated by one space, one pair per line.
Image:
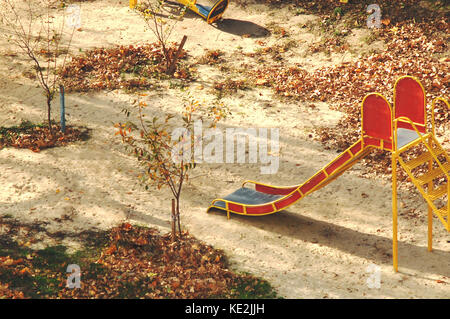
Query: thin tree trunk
x=49 y=111
x=178 y=215
x=173 y=220
x=166 y=57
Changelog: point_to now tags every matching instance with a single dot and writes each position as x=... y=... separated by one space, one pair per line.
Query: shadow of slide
x=372 y=247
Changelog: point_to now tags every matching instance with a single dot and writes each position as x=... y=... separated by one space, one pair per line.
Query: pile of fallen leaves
x=411 y=49
x=274 y=51
x=134 y=262
x=123 y=67
x=212 y=57
x=6 y=293
x=398 y=11
x=37 y=136
x=229 y=86
x=408 y=52
x=329 y=44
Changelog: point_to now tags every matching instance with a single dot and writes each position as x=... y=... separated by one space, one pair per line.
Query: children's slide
x=398 y=130
x=265 y=199
x=382 y=128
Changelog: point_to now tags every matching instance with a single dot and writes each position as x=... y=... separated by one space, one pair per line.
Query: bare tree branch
x=31 y=24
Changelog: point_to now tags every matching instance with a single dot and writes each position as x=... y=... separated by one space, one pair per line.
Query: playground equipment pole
x=430 y=209
x=394 y=213
x=133 y=4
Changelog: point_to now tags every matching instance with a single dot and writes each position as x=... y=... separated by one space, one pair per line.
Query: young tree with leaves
x=167 y=162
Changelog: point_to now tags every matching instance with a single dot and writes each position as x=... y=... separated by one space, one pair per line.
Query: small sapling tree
x=36 y=28
x=162 y=24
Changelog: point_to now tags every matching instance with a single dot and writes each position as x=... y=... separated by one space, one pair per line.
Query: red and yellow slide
x=397 y=130
x=265 y=199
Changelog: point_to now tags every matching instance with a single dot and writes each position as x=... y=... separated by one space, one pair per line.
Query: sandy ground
x=320 y=247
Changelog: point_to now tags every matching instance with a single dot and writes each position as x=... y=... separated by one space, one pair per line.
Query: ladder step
x=424 y=157
x=443 y=212
x=429 y=176
x=438 y=192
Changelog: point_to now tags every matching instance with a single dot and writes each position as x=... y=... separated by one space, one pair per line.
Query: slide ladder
x=429 y=172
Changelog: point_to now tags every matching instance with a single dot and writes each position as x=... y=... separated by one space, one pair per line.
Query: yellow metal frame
x=423 y=139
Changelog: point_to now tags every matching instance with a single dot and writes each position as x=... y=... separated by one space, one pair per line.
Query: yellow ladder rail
x=430 y=149
x=433 y=104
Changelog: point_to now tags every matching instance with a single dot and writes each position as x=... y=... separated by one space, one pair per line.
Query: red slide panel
x=236 y=208
x=387 y=145
x=409 y=97
x=338 y=163
x=273 y=190
x=376 y=117
x=313 y=182
x=256 y=210
x=288 y=200
x=372 y=141
x=356 y=148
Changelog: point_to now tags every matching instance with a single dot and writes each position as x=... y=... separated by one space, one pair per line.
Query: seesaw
x=396 y=130
x=210 y=14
